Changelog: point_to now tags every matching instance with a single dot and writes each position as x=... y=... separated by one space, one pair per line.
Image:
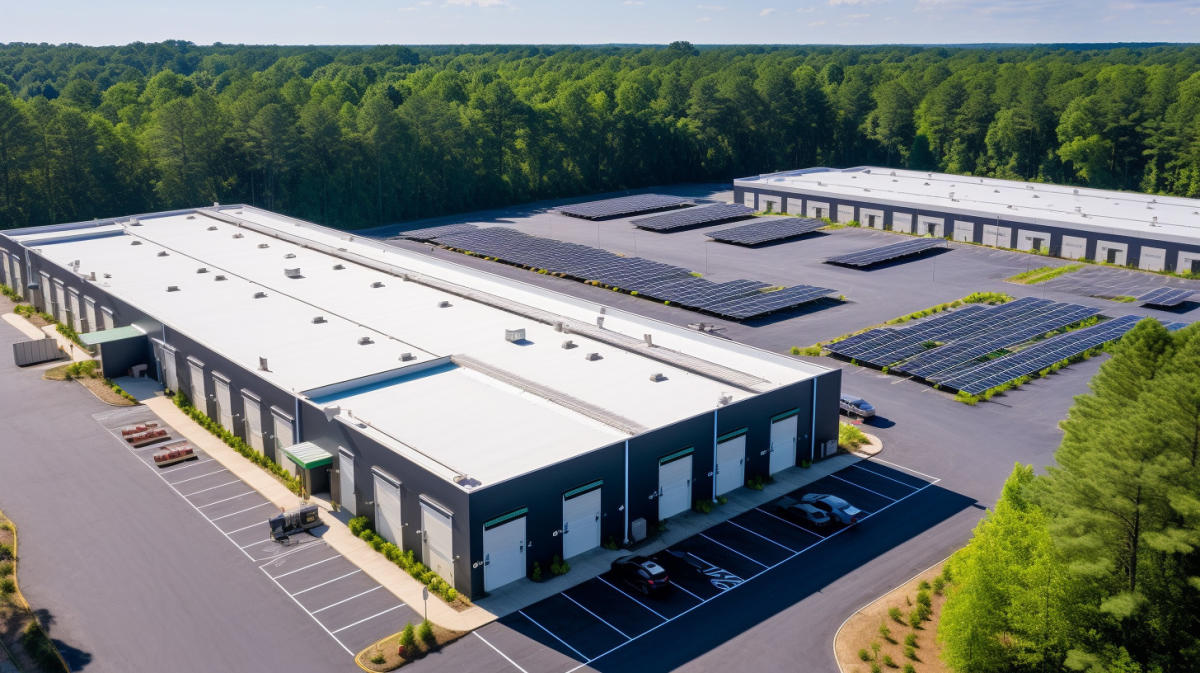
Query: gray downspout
x=714 y=470
x=626 y=505
x=812 y=450
x=296 y=423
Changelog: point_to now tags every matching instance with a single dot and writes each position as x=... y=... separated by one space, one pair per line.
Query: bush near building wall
x=360 y=527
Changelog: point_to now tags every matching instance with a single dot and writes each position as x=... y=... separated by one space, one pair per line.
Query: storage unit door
x=1152 y=259
x=254 y=425
x=346 y=482
x=674 y=487
x=170 y=375
x=60 y=303
x=224 y=404
x=283 y=438
x=748 y=199
x=89 y=312
x=76 y=314
x=964 y=231
x=437 y=550
x=503 y=554
x=387 y=509
x=731 y=464
x=783 y=443
x=581 y=523
x=198 y=395
x=1073 y=247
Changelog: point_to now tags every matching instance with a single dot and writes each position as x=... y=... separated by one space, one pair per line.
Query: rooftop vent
x=724 y=399
x=893 y=174
x=290 y=255
x=212 y=228
x=568 y=344
x=319 y=320
x=444 y=304
x=649 y=338
x=1154 y=221
x=1075 y=192
x=926 y=184
x=191 y=217
x=405 y=357
x=378 y=283
x=1079 y=209
x=995 y=191
x=951 y=196
x=263 y=245
x=292 y=273
x=514 y=335
x=260 y=295
x=135 y=243
x=203 y=269
x=220 y=277
x=592 y=357
x=658 y=377
x=262 y=364
x=239 y=235
x=559 y=326
x=134 y=222
x=1029 y=187
x=172 y=288
x=365 y=341
x=338 y=267
x=163 y=253
x=108 y=275
x=92 y=276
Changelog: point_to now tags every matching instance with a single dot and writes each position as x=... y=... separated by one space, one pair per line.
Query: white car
x=835 y=507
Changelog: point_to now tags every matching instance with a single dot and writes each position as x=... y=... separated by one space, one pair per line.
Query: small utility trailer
x=298 y=520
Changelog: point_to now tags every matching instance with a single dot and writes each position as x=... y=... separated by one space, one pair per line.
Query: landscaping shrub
x=914 y=619
x=38 y=645
x=909 y=668
x=885 y=632
x=850 y=437
x=864 y=654
x=536 y=573
x=408 y=639
x=559 y=566
x=610 y=542
x=911 y=639
x=939 y=584
x=923 y=585
x=6 y=568
x=703 y=505
x=357 y=525
x=7 y=586
x=894 y=613
x=889 y=662
x=425 y=633
x=923 y=598
x=6 y=552
x=910 y=652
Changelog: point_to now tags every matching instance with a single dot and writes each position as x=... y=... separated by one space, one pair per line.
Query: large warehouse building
x=481 y=422
x=1156 y=233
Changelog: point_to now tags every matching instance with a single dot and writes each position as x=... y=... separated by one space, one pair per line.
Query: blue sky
x=599 y=21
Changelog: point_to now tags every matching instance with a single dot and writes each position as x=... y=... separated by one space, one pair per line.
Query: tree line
x=362 y=136
x=1095 y=566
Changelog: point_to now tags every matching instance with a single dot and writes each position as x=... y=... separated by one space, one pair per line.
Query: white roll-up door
x=1073 y=247
x=346 y=481
x=581 y=520
x=932 y=226
x=60 y=303
x=224 y=402
x=902 y=222
x=1152 y=259
x=388 y=521
x=674 y=485
x=845 y=213
x=437 y=540
x=76 y=314
x=504 y=551
x=166 y=362
x=254 y=425
x=199 y=398
x=794 y=205
x=783 y=442
x=284 y=436
x=731 y=464
x=89 y=313
x=107 y=318
x=997 y=236
x=748 y=199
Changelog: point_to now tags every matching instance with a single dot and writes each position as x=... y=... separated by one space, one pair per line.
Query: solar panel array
x=623 y=205
x=1166 y=296
x=964 y=349
x=884 y=253
x=736 y=299
x=694 y=217
x=430 y=233
x=765 y=229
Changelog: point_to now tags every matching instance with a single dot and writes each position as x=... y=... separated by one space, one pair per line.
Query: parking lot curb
x=873 y=448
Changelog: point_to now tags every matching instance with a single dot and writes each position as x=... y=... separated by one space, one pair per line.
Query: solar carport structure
x=483 y=423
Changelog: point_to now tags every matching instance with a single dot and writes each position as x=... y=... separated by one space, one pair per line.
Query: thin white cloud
x=633 y=3
x=711 y=8
x=704 y=19
x=858 y=17
x=767 y=12
x=814 y=24
x=477 y=3
x=837 y=3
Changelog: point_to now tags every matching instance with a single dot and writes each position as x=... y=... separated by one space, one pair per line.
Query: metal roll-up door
x=346 y=497
x=731 y=463
x=169 y=371
x=674 y=484
x=437 y=539
x=60 y=303
x=199 y=394
x=107 y=318
x=388 y=511
x=504 y=550
x=783 y=442
x=224 y=402
x=74 y=312
x=254 y=424
x=89 y=314
x=581 y=519
x=284 y=437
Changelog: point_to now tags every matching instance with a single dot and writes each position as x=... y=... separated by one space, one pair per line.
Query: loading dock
x=504 y=550
x=675 y=483
x=731 y=461
x=581 y=519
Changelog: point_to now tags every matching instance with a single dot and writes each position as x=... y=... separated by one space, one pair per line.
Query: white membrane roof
x=1101 y=211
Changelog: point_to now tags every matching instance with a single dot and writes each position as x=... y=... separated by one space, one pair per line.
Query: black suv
x=641 y=574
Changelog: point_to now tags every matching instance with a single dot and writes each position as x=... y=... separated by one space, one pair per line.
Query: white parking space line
x=239 y=495
x=883 y=476
x=781 y=546
x=581 y=654
x=212 y=488
x=323 y=627
x=367 y=619
x=318 y=586
x=679 y=586
x=290 y=572
x=757 y=563
x=169 y=470
x=497 y=651
x=863 y=487
x=247 y=546
x=206 y=474
x=906 y=469
x=765 y=569
x=626 y=595
x=347 y=600
x=253 y=525
x=226 y=516
x=793 y=524
x=602 y=620
x=272 y=559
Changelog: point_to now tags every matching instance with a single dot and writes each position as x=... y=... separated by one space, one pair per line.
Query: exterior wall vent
x=338 y=267
x=406 y=357
x=292 y=273
x=568 y=344
x=592 y=357
x=260 y=295
x=262 y=246
x=163 y=253
x=365 y=341
x=220 y=277
x=657 y=377
x=319 y=320
x=239 y=235
x=203 y=269
x=377 y=284
x=135 y=243
x=514 y=335
x=172 y=288
x=444 y=304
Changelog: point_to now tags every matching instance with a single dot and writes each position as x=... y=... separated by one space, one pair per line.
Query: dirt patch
x=22 y=640
x=99 y=387
x=861 y=633
x=387 y=655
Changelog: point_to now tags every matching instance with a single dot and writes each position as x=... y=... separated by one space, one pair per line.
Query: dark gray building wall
x=116 y=357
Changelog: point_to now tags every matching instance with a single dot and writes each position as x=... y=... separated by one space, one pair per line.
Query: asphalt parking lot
x=347 y=604
x=592 y=623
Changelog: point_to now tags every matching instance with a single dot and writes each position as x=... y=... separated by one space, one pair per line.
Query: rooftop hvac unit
x=365 y=341
x=649 y=339
x=406 y=357
x=568 y=344
x=163 y=253
x=637 y=529
x=212 y=228
x=239 y=235
x=724 y=399
x=338 y=267
x=262 y=364
x=203 y=269
x=262 y=246
x=191 y=217
x=220 y=277
x=558 y=326
x=92 y=276
x=592 y=357
x=377 y=283
x=319 y=320
x=260 y=295
x=657 y=377
x=1154 y=221
x=600 y=321
x=444 y=304
x=172 y=288
x=290 y=255
x=292 y=273
x=514 y=335
x=135 y=243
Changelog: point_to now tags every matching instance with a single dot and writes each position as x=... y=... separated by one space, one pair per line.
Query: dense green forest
x=361 y=136
x=1095 y=566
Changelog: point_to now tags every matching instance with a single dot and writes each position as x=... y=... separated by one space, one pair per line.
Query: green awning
x=107 y=335
x=308 y=455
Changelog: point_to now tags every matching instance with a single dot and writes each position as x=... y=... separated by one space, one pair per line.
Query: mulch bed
x=385 y=655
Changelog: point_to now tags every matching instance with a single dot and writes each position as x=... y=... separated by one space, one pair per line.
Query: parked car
x=803 y=513
x=852 y=405
x=641 y=574
x=838 y=509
